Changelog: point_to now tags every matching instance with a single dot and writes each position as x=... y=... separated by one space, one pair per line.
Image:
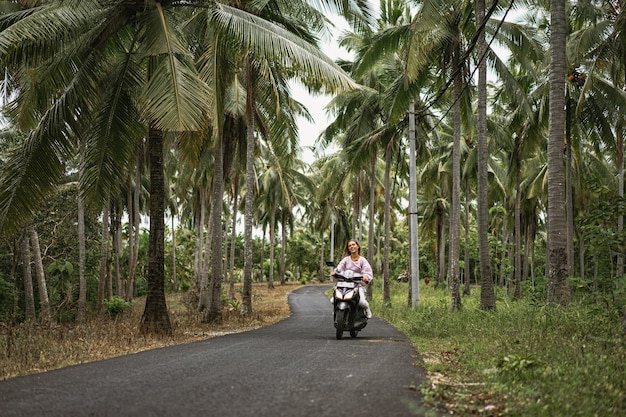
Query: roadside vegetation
x=29 y=348
x=526 y=358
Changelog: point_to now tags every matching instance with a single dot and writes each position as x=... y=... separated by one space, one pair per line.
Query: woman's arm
x=366 y=269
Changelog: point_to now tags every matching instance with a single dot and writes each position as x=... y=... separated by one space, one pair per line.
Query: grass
x=524 y=359
x=29 y=348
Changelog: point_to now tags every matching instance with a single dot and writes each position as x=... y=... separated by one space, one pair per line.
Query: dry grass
x=28 y=349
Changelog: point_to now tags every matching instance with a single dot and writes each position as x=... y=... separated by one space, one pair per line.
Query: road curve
x=293 y=368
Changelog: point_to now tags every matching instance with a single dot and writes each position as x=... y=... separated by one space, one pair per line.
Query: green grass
x=523 y=359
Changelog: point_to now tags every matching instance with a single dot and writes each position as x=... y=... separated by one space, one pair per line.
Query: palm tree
x=115 y=56
x=487 y=294
x=557 y=227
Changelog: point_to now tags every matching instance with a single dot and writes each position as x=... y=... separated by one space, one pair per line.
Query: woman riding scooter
x=355 y=262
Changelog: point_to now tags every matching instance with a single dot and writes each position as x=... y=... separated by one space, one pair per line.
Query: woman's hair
x=346 y=252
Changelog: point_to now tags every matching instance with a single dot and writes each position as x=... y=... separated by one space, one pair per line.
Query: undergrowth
x=29 y=348
x=523 y=359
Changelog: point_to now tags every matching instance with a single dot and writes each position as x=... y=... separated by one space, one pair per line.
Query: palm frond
x=279 y=45
x=175 y=97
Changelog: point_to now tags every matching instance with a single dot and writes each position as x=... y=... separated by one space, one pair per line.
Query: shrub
x=115 y=306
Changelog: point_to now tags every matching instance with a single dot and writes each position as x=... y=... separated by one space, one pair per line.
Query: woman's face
x=353 y=247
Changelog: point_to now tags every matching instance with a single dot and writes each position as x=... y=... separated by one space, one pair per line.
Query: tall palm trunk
x=262 y=260
x=322 y=271
x=569 y=186
x=214 y=312
x=155 y=318
x=272 y=245
x=81 y=312
x=387 y=221
x=372 y=222
x=204 y=247
x=116 y=229
x=487 y=294
x=441 y=249
x=557 y=227
x=29 y=296
x=174 y=276
x=372 y=210
x=517 y=292
x=104 y=257
x=455 y=206
x=233 y=241
x=133 y=229
x=44 y=302
x=620 y=193
x=467 y=290
x=246 y=305
x=283 y=234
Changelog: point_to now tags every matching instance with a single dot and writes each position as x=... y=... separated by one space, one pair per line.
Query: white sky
x=309 y=131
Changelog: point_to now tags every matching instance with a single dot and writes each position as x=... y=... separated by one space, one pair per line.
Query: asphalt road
x=293 y=368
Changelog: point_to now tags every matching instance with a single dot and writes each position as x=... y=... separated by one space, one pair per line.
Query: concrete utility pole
x=413 y=247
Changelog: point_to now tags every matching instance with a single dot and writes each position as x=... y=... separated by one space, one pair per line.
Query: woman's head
x=351 y=244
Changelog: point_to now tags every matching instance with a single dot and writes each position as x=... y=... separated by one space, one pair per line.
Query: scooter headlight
x=338 y=295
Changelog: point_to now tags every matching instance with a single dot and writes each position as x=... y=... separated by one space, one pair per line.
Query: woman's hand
x=366 y=279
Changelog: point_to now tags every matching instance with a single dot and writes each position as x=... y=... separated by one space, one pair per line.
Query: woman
x=353 y=261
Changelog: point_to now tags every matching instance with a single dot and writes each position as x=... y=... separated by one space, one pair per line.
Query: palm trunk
x=272 y=246
x=81 y=312
x=466 y=259
x=104 y=258
x=372 y=210
x=214 y=312
x=116 y=226
x=262 y=261
x=372 y=222
x=246 y=307
x=455 y=213
x=174 y=276
x=29 y=295
x=526 y=262
x=131 y=231
x=569 y=187
x=155 y=318
x=558 y=291
x=134 y=224
x=441 y=250
x=233 y=241
x=620 y=193
x=202 y=253
x=283 y=233
x=517 y=292
x=487 y=294
x=322 y=271
x=44 y=302
x=387 y=221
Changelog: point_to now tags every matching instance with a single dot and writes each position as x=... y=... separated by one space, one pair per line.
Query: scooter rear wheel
x=353 y=333
x=341 y=320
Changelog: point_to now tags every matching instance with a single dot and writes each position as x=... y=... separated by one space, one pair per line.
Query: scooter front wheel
x=341 y=321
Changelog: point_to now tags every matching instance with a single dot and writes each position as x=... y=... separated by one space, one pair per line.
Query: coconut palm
x=557 y=227
x=96 y=63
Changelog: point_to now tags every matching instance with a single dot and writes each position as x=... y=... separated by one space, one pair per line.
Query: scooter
x=348 y=315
